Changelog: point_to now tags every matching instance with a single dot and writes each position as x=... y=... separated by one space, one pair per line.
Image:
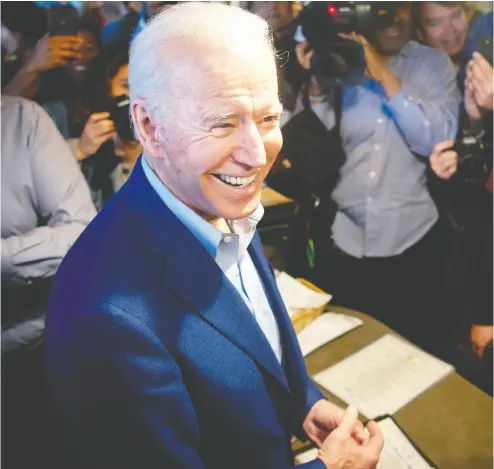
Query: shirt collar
x=225 y=248
x=407 y=50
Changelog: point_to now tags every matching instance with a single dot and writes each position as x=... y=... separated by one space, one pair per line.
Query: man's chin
x=239 y=211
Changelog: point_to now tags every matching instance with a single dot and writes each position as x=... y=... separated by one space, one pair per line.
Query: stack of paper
x=324 y=329
x=398 y=451
x=383 y=377
x=297 y=296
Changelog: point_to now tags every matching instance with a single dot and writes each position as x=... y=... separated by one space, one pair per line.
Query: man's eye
x=224 y=125
x=457 y=15
x=272 y=119
x=433 y=23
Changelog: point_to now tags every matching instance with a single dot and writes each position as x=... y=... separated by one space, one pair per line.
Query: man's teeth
x=237 y=181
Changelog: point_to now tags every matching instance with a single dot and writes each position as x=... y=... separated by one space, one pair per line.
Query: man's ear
x=144 y=128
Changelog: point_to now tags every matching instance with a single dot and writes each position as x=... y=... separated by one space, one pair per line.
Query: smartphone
x=63 y=20
x=485 y=49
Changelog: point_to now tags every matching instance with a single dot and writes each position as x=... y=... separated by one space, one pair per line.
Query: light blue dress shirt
x=384 y=205
x=230 y=253
x=46 y=205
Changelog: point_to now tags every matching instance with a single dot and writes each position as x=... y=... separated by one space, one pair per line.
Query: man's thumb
x=349 y=421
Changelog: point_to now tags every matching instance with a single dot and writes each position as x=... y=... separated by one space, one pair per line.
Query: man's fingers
x=105 y=135
x=376 y=438
x=303 y=57
x=71 y=50
x=449 y=157
x=68 y=41
x=483 y=65
x=103 y=126
x=360 y=434
x=479 y=76
x=479 y=83
x=440 y=147
x=347 y=425
x=99 y=116
x=481 y=93
x=67 y=54
x=450 y=167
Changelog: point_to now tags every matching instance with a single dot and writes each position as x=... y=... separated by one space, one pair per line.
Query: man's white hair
x=152 y=64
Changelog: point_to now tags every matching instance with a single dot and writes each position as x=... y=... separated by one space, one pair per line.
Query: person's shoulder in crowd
x=120 y=30
x=484 y=25
x=26 y=115
x=425 y=52
x=482 y=28
x=18 y=105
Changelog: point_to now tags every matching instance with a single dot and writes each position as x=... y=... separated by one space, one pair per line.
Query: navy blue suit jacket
x=154 y=359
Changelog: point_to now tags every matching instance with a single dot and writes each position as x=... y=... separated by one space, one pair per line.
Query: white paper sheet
x=398 y=452
x=324 y=329
x=306 y=456
x=297 y=296
x=383 y=377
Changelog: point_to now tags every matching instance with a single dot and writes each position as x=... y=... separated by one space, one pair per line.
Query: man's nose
x=449 y=28
x=252 y=152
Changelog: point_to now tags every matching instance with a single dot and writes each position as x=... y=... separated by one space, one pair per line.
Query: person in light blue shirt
x=386 y=221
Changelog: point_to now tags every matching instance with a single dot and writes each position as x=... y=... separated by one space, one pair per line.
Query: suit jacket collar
x=192 y=273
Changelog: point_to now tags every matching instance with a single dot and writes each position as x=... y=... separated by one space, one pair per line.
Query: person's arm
x=428 y=116
x=24 y=83
x=62 y=199
x=133 y=409
x=50 y=52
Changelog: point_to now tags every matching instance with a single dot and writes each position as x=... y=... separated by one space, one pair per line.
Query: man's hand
x=340 y=450
x=443 y=162
x=480 y=73
x=303 y=57
x=54 y=51
x=324 y=417
x=481 y=337
x=474 y=111
x=376 y=65
x=98 y=130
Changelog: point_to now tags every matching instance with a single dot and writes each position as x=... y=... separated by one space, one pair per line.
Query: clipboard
x=410 y=441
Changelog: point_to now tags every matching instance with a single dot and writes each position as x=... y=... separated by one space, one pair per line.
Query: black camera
x=474 y=159
x=120 y=115
x=336 y=60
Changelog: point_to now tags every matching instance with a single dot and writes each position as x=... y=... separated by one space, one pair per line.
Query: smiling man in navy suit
x=168 y=344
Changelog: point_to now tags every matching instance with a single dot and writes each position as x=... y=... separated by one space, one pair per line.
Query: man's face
x=391 y=40
x=277 y=14
x=444 y=27
x=223 y=138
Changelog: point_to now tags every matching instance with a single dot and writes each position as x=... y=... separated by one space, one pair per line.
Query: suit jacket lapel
x=295 y=365
x=192 y=273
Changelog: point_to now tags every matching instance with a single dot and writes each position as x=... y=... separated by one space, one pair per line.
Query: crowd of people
x=393 y=177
